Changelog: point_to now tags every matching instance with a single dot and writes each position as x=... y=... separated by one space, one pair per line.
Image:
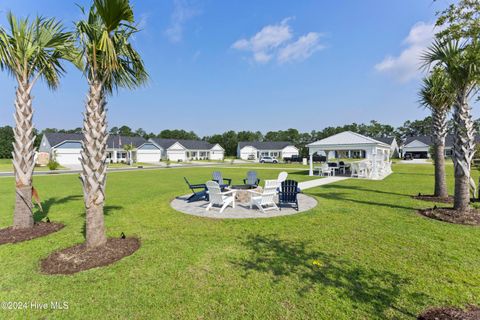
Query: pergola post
x=310 y=172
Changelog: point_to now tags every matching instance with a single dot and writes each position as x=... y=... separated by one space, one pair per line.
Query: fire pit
x=243 y=194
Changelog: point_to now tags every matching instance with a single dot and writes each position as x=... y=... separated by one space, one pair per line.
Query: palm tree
x=129 y=148
x=109 y=62
x=461 y=64
x=437 y=95
x=30 y=50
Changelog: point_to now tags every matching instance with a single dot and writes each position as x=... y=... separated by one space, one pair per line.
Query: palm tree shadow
x=47 y=205
x=359 y=188
x=374 y=289
x=342 y=198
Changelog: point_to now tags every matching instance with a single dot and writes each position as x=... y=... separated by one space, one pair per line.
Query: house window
x=121 y=155
x=448 y=152
x=203 y=154
x=194 y=154
x=264 y=154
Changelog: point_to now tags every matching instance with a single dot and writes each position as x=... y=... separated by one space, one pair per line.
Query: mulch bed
x=450 y=313
x=433 y=198
x=470 y=217
x=40 y=229
x=79 y=258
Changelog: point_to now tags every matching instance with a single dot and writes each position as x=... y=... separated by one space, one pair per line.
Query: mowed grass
x=363 y=253
x=7 y=166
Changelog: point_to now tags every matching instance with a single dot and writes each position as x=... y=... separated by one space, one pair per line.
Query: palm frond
x=33 y=49
x=461 y=61
x=437 y=92
x=113 y=12
x=104 y=38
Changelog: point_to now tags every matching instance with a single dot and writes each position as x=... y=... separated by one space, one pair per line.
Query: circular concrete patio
x=241 y=211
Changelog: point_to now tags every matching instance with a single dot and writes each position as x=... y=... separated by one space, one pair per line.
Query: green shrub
x=53 y=165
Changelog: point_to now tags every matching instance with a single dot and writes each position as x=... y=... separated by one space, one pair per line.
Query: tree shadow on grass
x=47 y=205
x=359 y=188
x=342 y=198
x=375 y=289
x=305 y=172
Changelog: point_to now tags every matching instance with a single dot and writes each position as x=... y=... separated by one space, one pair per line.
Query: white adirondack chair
x=326 y=170
x=265 y=200
x=282 y=176
x=219 y=198
x=359 y=169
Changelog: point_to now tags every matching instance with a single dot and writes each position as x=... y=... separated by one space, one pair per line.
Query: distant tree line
x=229 y=140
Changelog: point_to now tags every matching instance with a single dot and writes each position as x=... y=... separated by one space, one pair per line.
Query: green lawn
x=6 y=166
x=363 y=253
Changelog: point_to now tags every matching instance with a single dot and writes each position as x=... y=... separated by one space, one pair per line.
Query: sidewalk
x=319 y=182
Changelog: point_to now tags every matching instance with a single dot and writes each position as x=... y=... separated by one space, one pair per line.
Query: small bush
x=53 y=165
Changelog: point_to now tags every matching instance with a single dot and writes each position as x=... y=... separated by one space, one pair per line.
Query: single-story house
x=155 y=150
x=392 y=142
x=65 y=147
x=253 y=150
x=347 y=144
x=419 y=146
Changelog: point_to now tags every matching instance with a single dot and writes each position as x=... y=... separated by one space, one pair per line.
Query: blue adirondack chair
x=223 y=182
x=201 y=194
x=252 y=179
x=289 y=193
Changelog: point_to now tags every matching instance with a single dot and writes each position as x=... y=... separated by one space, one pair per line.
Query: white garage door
x=68 y=157
x=174 y=156
x=148 y=156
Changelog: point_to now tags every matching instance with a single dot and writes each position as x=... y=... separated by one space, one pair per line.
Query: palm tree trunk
x=23 y=157
x=439 y=134
x=94 y=168
x=464 y=150
x=440 y=175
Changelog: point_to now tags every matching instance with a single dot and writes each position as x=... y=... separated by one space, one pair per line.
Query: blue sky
x=252 y=65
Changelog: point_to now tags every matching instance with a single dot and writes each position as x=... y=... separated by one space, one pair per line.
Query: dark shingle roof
x=265 y=145
x=121 y=141
x=55 y=138
x=387 y=140
x=429 y=141
x=189 y=144
x=113 y=141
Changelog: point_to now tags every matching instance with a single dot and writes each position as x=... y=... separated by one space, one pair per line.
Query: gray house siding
x=44 y=145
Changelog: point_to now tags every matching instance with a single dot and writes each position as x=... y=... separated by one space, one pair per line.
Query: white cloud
x=405 y=66
x=276 y=41
x=301 y=49
x=182 y=12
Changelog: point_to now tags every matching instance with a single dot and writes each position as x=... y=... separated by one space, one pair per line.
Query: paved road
x=174 y=166
x=59 y=172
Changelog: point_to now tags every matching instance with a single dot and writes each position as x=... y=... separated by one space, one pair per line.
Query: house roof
x=347 y=138
x=265 y=145
x=55 y=138
x=188 y=144
x=387 y=140
x=113 y=141
x=429 y=141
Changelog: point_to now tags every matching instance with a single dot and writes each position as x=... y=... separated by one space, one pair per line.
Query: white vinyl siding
x=66 y=157
x=246 y=151
x=149 y=153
